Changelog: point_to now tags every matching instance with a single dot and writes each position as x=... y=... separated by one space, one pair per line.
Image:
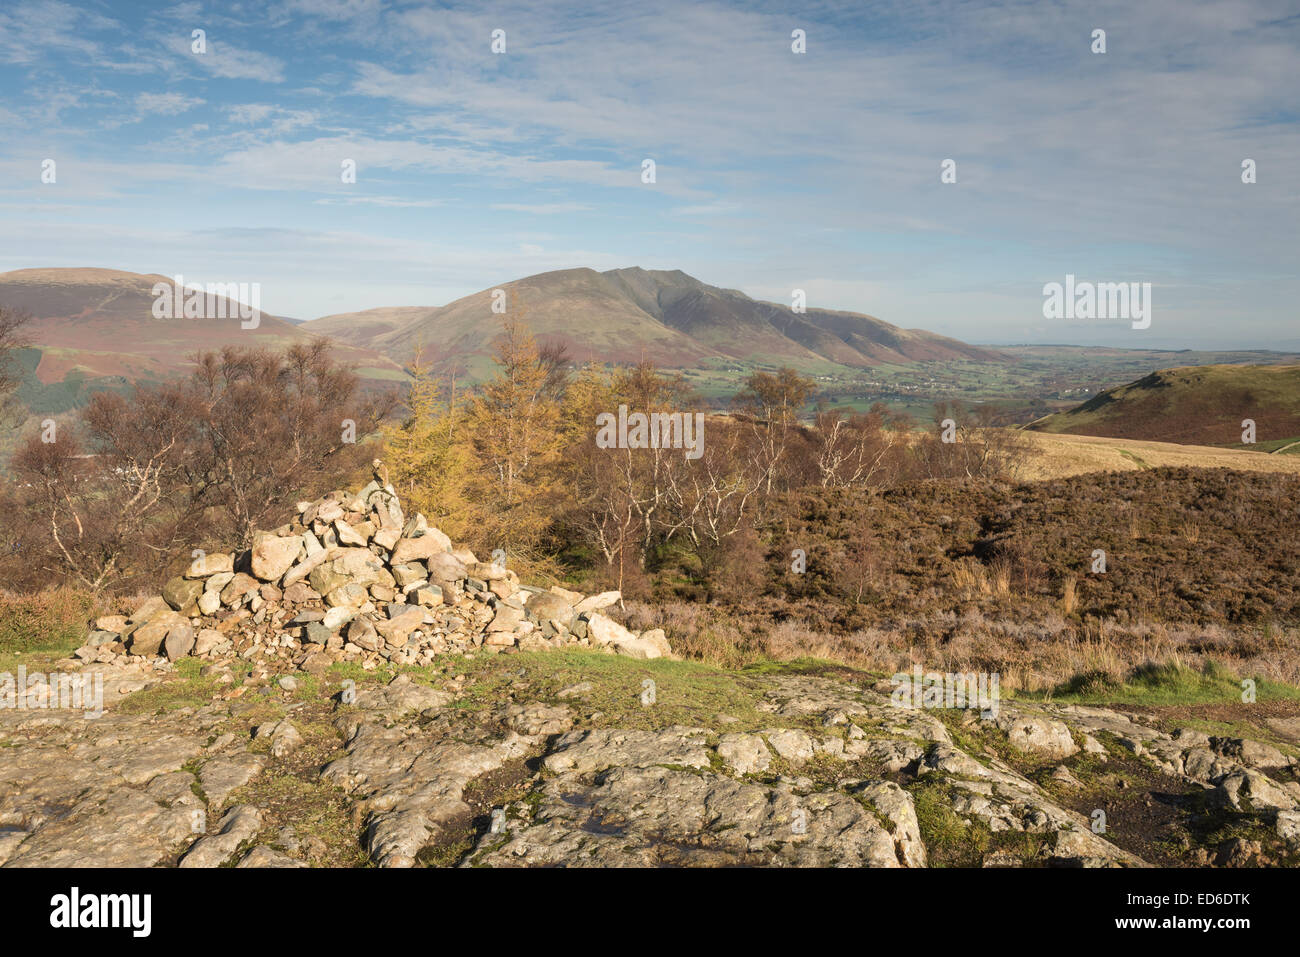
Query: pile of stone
x=352 y=579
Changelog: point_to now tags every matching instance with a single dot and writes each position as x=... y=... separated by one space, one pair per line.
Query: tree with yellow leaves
x=513 y=428
x=427 y=465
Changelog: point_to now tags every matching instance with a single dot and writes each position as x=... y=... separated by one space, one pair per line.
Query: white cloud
x=31 y=31
x=335 y=10
x=276 y=119
x=166 y=104
x=316 y=163
x=226 y=60
x=249 y=113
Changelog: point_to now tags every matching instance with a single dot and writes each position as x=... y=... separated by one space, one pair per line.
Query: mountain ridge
x=667 y=315
x=95 y=329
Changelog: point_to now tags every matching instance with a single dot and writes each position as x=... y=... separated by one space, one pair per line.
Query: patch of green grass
x=171 y=695
x=1289 y=446
x=950 y=840
x=37 y=659
x=795 y=666
x=977 y=738
x=262 y=711
x=1129 y=455
x=384 y=673
x=352 y=671
x=1164 y=685
x=186 y=688
x=684 y=692
x=311 y=808
x=308 y=689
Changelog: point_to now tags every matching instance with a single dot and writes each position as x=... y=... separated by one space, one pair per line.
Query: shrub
x=53 y=619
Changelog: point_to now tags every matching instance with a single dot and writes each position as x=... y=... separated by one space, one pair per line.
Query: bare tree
x=774 y=400
x=851 y=449
x=977 y=450
x=108 y=500
x=12 y=322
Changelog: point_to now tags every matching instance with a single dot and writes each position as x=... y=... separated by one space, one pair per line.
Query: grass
x=42 y=627
x=1057 y=455
x=1133 y=456
x=188 y=689
x=311 y=807
x=1201 y=405
x=1289 y=446
x=1164 y=685
x=685 y=692
x=950 y=840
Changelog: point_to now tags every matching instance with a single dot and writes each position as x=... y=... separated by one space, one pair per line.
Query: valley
x=96 y=329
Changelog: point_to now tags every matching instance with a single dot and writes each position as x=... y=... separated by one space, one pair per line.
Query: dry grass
x=1201 y=570
x=51 y=619
x=1070 y=596
x=971 y=578
x=1001 y=577
x=1029 y=656
x=1061 y=456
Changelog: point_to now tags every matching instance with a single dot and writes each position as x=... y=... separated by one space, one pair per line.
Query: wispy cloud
x=774 y=170
x=166 y=104
x=222 y=58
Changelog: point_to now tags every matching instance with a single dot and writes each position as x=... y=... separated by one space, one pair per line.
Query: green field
x=1034 y=382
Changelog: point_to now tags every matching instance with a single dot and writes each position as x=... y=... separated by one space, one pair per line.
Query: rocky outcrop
x=427 y=768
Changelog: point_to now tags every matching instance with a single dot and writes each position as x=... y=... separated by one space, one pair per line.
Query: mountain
x=360 y=328
x=1199 y=405
x=96 y=327
x=623 y=315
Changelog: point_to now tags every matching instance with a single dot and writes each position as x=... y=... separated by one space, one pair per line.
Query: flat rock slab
x=240 y=824
x=222 y=775
x=410 y=787
x=121 y=828
x=137 y=761
x=584 y=751
x=654 y=816
x=401 y=696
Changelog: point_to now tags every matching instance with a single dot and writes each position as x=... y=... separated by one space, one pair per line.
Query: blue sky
x=775 y=170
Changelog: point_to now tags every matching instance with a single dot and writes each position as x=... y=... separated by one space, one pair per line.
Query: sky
x=774 y=170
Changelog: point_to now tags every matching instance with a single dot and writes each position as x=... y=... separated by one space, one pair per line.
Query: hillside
x=624 y=315
x=96 y=327
x=361 y=328
x=488 y=722
x=1061 y=455
x=1193 y=405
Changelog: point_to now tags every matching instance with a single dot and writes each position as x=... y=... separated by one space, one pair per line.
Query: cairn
x=351 y=579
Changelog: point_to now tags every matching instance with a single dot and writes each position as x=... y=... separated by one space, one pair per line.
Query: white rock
x=596 y=602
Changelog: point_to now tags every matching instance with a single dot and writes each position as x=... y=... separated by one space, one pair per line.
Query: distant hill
x=367 y=326
x=96 y=328
x=1194 y=405
x=623 y=315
